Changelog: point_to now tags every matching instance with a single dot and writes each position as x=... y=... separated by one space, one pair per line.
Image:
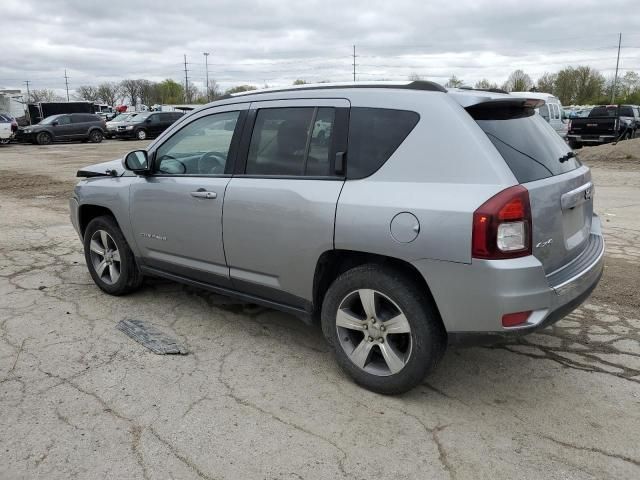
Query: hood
x=112 y=168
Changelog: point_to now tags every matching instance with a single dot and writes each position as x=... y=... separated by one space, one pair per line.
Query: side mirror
x=148 y=120
x=55 y=123
x=136 y=161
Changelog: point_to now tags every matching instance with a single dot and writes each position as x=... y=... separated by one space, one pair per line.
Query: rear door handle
x=204 y=194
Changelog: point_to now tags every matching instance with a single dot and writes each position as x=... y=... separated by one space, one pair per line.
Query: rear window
x=626 y=112
x=604 y=112
x=374 y=134
x=529 y=145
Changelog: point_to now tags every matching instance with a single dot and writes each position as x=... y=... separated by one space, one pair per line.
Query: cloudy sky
x=275 y=42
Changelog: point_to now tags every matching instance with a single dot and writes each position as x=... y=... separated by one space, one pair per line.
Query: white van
x=551 y=111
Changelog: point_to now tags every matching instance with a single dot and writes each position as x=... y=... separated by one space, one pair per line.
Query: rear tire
x=395 y=361
x=95 y=136
x=110 y=261
x=44 y=138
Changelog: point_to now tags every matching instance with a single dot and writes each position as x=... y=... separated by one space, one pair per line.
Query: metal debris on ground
x=150 y=337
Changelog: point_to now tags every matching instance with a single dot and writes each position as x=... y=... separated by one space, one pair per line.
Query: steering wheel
x=174 y=162
x=211 y=163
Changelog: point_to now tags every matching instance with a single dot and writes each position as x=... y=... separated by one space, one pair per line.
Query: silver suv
x=401 y=216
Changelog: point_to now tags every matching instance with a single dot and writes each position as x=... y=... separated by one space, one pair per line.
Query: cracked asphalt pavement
x=259 y=395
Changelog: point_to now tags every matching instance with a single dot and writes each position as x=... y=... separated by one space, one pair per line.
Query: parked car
x=551 y=111
x=146 y=124
x=120 y=119
x=8 y=128
x=426 y=217
x=604 y=124
x=64 y=128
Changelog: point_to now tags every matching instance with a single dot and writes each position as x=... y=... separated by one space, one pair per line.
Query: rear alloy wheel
x=44 y=138
x=109 y=259
x=141 y=134
x=95 y=136
x=383 y=328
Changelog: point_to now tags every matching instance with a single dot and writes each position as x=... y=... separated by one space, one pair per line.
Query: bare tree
x=88 y=92
x=109 y=93
x=130 y=89
x=547 y=83
x=43 y=95
x=414 y=77
x=485 y=84
x=214 y=90
x=518 y=81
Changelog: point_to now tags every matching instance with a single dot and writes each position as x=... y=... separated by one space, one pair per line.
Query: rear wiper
x=567 y=157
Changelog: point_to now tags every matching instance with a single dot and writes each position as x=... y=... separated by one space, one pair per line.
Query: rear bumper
x=592 y=138
x=473 y=298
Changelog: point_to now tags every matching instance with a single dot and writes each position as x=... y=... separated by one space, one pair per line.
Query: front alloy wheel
x=105 y=257
x=374 y=332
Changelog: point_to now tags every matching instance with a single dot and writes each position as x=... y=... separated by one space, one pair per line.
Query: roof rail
x=408 y=85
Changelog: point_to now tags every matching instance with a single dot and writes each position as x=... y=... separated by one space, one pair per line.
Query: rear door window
x=374 y=134
x=529 y=145
x=291 y=141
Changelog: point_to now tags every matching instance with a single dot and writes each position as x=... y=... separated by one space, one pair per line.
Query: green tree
x=240 y=88
x=299 y=82
x=454 y=82
x=589 y=85
x=170 y=92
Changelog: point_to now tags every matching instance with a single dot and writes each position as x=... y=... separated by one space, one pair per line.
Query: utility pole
x=186 y=81
x=66 y=82
x=354 y=63
x=206 y=70
x=28 y=92
x=615 y=79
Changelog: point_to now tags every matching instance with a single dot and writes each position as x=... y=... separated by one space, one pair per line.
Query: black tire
x=575 y=145
x=428 y=337
x=627 y=136
x=141 y=134
x=95 y=136
x=44 y=138
x=130 y=278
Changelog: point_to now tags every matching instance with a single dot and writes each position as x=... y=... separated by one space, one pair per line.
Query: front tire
x=110 y=261
x=44 y=138
x=141 y=134
x=384 y=330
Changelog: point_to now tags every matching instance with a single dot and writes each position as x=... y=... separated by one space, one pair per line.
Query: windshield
x=137 y=117
x=529 y=145
x=49 y=120
x=122 y=117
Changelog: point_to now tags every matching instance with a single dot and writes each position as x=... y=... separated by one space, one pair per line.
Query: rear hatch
x=593 y=126
x=560 y=188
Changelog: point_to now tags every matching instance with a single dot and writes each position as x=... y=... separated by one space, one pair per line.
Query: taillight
x=502 y=226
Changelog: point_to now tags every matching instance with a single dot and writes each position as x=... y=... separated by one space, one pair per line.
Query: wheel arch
x=333 y=263
x=88 y=212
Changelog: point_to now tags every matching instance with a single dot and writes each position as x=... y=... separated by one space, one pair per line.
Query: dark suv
x=147 y=124
x=64 y=128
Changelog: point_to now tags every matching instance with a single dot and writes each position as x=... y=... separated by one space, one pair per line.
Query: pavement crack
x=624 y=458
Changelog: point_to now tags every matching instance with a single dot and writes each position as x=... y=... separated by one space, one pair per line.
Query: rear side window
x=626 y=111
x=291 y=141
x=374 y=134
x=529 y=145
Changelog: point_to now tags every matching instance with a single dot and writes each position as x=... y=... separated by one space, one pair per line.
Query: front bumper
x=124 y=134
x=472 y=298
x=22 y=136
x=74 y=208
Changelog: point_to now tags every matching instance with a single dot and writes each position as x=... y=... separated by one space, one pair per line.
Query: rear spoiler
x=504 y=108
x=470 y=98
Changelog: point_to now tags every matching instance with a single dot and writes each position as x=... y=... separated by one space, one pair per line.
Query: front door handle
x=204 y=194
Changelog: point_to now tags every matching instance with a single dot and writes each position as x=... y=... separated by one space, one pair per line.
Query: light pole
x=206 y=70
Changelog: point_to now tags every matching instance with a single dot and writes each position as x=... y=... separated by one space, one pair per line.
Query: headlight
x=130 y=127
x=27 y=130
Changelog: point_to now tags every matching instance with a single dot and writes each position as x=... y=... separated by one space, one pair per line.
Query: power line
x=206 y=67
x=26 y=82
